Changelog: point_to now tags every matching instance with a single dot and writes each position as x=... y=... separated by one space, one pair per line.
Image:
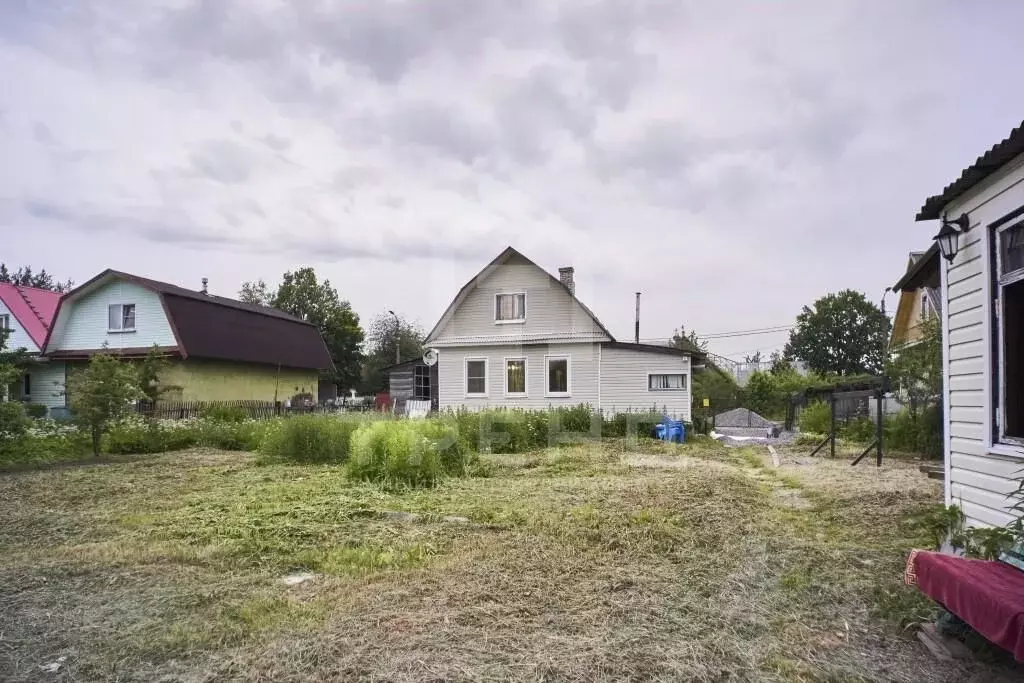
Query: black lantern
x=949 y=236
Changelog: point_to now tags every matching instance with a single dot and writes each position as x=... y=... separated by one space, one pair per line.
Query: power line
x=746 y=333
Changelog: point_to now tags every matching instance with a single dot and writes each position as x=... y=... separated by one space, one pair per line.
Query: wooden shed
x=413 y=380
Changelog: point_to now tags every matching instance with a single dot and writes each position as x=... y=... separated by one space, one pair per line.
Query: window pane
x=476 y=380
x=667 y=382
x=558 y=375
x=114 y=317
x=510 y=307
x=520 y=301
x=515 y=371
x=128 y=317
x=1011 y=247
x=1013 y=360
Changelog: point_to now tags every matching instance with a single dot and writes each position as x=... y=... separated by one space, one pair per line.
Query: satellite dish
x=430 y=357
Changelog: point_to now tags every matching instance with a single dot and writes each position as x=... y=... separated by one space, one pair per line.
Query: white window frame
x=465 y=376
x=568 y=376
x=526 y=384
x=515 y=321
x=120 y=317
x=1001 y=280
x=686 y=381
x=5 y=321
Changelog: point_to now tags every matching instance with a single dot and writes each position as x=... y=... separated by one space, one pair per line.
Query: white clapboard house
x=979 y=257
x=516 y=336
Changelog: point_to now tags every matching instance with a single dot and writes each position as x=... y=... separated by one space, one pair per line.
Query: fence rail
x=255 y=410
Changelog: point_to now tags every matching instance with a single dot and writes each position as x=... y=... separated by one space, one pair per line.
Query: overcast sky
x=731 y=160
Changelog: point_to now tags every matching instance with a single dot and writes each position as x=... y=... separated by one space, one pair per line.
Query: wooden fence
x=256 y=410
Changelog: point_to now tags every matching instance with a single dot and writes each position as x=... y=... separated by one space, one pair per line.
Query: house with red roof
x=26 y=314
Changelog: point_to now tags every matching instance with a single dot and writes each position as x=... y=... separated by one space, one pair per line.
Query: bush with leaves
x=815 y=418
x=223 y=412
x=100 y=394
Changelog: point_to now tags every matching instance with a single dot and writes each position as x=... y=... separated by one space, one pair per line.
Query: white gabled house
x=981 y=215
x=515 y=336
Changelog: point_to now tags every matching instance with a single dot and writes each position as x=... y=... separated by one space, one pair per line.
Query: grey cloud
x=223 y=161
x=41 y=133
x=276 y=142
x=441 y=129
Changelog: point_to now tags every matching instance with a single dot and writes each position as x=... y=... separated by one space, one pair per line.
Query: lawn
x=597 y=562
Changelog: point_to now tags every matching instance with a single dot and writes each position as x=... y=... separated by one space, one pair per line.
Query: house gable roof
x=984 y=166
x=34 y=309
x=215 y=327
x=504 y=257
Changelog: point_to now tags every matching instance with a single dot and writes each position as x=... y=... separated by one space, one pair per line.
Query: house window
x=1010 y=326
x=558 y=376
x=26 y=386
x=5 y=322
x=515 y=376
x=121 y=317
x=510 y=308
x=476 y=376
x=666 y=382
x=421 y=383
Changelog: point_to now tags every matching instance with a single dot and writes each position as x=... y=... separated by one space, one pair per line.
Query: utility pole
x=398 y=338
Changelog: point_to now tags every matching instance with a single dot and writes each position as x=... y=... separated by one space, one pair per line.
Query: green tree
x=302 y=295
x=681 y=339
x=100 y=393
x=26 y=277
x=842 y=333
x=915 y=370
x=149 y=371
x=256 y=293
x=385 y=332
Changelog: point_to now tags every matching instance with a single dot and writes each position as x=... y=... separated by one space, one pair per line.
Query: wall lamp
x=949 y=236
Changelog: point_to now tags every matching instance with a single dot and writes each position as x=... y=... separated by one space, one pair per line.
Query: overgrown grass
x=309 y=439
x=407 y=453
x=600 y=561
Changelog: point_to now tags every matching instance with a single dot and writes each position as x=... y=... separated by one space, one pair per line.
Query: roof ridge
x=31 y=306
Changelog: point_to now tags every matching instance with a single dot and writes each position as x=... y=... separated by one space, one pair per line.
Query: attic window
x=5 y=322
x=121 y=318
x=510 y=308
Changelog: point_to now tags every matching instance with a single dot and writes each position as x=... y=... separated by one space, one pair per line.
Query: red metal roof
x=33 y=308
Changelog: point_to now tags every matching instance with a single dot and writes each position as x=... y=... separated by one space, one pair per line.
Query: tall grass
x=309 y=439
x=407 y=453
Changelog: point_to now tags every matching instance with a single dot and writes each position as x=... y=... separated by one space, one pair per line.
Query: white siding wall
x=18 y=338
x=980 y=474
x=82 y=324
x=47 y=381
x=624 y=383
x=550 y=310
x=583 y=369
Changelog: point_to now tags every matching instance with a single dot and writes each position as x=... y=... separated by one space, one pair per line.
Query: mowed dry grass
x=600 y=562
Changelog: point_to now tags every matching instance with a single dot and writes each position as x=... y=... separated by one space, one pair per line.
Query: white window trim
x=494 y=309
x=686 y=381
x=526 y=383
x=465 y=376
x=1003 y=444
x=5 y=322
x=122 y=330
x=568 y=376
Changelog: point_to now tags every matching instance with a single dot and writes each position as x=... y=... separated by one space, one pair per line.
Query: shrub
x=406 y=453
x=921 y=434
x=860 y=430
x=225 y=413
x=36 y=410
x=134 y=435
x=13 y=421
x=814 y=418
x=310 y=439
x=243 y=435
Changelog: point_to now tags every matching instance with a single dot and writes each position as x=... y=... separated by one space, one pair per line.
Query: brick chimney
x=565 y=274
x=206 y=281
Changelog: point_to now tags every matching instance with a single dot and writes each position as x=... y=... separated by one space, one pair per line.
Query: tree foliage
x=915 y=370
x=100 y=393
x=385 y=333
x=151 y=386
x=303 y=296
x=24 y=276
x=256 y=293
x=842 y=333
x=681 y=339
